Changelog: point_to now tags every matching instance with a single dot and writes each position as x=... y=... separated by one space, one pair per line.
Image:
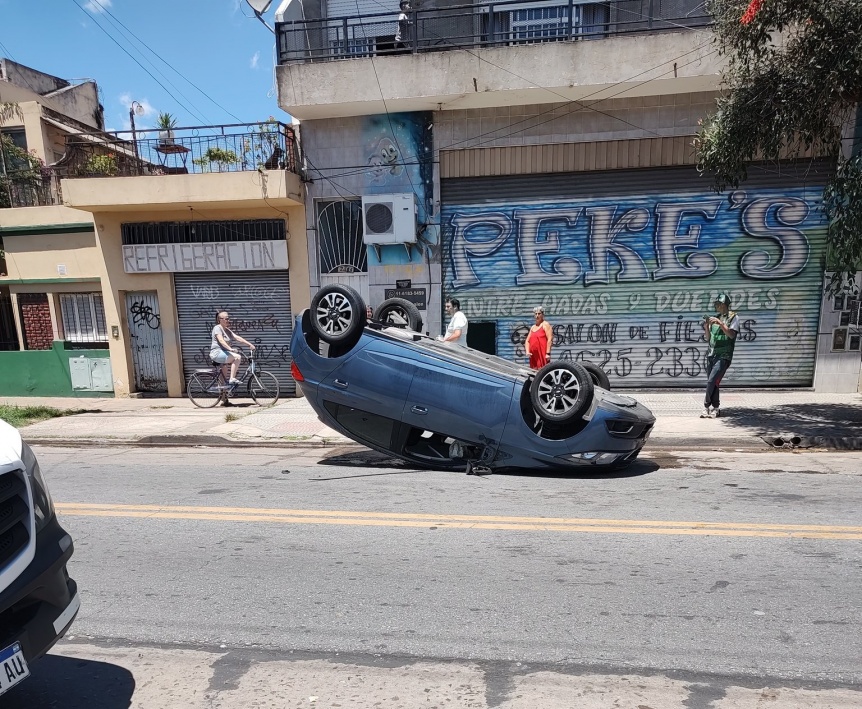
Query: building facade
x=548 y=147
x=120 y=248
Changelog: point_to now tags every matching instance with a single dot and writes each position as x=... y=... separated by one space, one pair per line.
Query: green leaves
x=793 y=78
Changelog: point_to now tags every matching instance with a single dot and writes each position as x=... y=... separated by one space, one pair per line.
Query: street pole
x=135 y=135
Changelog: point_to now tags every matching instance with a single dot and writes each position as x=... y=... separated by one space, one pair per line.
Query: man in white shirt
x=456 y=330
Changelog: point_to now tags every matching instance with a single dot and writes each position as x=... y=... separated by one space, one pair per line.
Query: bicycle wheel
x=203 y=389
x=263 y=388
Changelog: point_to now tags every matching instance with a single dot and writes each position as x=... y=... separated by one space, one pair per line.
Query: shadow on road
x=72 y=683
x=394 y=466
x=801 y=419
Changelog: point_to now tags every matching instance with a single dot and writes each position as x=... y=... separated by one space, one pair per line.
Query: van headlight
x=43 y=506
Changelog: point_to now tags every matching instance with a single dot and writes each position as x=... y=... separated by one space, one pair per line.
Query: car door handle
x=341 y=384
x=419 y=409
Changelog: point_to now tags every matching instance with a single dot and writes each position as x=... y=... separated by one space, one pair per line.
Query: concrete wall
x=45 y=256
x=43 y=373
x=37 y=81
x=635 y=65
x=80 y=102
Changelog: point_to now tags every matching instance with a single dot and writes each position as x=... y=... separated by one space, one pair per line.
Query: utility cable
x=168 y=64
x=125 y=51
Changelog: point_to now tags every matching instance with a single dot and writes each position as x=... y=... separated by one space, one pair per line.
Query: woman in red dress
x=539 y=340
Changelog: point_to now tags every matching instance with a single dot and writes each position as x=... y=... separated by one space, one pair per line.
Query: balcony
x=181 y=151
x=492 y=55
x=231 y=166
x=36 y=188
x=493 y=24
x=271 y=147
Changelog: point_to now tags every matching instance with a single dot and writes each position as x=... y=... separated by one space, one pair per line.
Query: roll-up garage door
x=259 y=307
x=627 y=263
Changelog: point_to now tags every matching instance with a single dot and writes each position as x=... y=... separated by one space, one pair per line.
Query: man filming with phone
x=720 y=331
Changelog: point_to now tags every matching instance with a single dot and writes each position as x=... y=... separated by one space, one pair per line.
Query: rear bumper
x=37 y=609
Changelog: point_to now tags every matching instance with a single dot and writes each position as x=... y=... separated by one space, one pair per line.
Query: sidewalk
x=748 y=416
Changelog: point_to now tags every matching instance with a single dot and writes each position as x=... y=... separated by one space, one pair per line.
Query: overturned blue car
x=391 y=388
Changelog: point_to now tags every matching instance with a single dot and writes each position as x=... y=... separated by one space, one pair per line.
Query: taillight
x=294 y=371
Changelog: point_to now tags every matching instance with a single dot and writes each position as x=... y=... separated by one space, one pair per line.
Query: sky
x=207 y=62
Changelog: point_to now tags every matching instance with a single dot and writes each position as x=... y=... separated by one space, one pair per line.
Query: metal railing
x=493 y=24
x=33 y=189
x=8 y=331
x=235 y=147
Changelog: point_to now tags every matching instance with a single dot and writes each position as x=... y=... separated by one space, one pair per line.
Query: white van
x=38 y=600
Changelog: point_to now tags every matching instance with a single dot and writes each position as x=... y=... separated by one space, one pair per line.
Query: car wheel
x=561 y=391
x=400 y=313
x=597 y=374
x=337 y=314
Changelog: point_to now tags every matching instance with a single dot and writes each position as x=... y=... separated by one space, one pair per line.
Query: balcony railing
x=493 y=24
x=36 y=188
x=181 y=151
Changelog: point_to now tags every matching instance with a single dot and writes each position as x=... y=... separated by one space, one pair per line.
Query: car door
x=468 y=404
x=375 y=379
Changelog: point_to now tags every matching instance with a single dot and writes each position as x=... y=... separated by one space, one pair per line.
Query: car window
x=371 y=427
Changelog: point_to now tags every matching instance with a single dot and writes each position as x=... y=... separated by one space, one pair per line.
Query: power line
x=565 y=98
x=166 y=63
x=125 y=51
x=388 y=115
x=359 y=169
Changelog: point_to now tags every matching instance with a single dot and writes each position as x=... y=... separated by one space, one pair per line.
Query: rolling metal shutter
x=259 y=307
x=644 y=329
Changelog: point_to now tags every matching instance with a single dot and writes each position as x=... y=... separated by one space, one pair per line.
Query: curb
x=203 y=441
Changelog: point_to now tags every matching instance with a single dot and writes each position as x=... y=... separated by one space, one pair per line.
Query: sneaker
x=234 y=382
x=705 y=414
x=716 y=413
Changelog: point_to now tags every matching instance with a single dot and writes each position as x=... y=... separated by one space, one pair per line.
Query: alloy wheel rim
x=334 y=313
x=558 y=391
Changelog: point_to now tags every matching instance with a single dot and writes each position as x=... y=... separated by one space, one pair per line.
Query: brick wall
x=36 y=321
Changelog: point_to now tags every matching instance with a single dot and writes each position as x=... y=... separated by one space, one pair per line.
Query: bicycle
x=207 y=387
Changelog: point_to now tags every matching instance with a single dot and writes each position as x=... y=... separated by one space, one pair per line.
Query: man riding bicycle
x=222 y=349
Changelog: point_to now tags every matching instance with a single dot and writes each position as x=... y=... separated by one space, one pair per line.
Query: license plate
x=13 y=667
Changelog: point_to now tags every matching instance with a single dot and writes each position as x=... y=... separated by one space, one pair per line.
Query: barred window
x=83 y=317
x=339 y=235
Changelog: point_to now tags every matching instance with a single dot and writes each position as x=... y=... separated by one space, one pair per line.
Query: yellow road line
x=407 y=519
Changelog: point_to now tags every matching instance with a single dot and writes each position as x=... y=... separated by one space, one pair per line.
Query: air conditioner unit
x=389 y=218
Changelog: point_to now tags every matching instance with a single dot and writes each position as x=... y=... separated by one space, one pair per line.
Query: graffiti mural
x=626 y=281
x=399 y=153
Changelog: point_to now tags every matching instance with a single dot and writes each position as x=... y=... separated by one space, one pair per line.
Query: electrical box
x=389 y=218
x=91 y=374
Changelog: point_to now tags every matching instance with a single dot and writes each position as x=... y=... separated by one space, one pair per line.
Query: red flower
x=751 y=11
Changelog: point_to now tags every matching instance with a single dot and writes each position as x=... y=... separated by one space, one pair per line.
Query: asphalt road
x=692 y=577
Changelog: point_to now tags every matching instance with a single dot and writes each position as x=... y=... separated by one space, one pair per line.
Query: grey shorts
x=222 y=357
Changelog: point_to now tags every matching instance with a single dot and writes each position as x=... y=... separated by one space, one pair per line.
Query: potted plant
x=166 y=124
x=99 y=165
x=220 y=157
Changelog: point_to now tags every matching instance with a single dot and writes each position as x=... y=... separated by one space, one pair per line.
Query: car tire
x=398 y=312
x=600 y=379
x=337 y=314
x=561 y=391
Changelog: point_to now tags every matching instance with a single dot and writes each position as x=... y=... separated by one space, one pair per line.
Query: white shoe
x=705 y=414
x=234 y=382
x=715 y=413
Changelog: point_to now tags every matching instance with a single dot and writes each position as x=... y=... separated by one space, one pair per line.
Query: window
x=339 y=236
x=541 y=24
x=18 y=138
x=83 y=318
